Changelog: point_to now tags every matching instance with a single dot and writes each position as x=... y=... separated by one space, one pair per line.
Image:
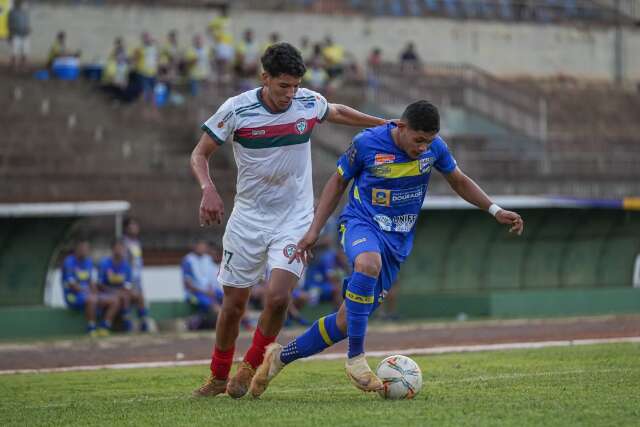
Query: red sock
x=255 y=354
x=221 y=362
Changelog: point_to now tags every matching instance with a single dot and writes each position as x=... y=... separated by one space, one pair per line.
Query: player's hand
x=303 y=249
x=512 y=219
x=211 y=207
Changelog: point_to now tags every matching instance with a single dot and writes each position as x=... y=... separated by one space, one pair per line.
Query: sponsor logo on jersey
x=301 y=126
x=289 y=250
x=407 y=196
x=381 y=159
x=404 y=223
x=400 y=223
x=425 y=164
x=258 y=132
x=384 y=222
x=380 y=197
x=357 y=242
x=309 y=105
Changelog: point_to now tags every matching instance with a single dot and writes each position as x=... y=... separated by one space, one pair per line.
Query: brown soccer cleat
x=361 y=375
x=211 y=387
x=270 y=367
x=239 y=384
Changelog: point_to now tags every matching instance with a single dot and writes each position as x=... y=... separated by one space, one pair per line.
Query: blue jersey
x=115 y=275
x=78 y=271
x=389 y=187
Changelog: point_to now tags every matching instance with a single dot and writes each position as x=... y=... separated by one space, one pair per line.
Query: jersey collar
x=266 y=107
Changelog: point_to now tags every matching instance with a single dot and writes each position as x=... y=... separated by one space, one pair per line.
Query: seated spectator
x=200 y=280
x=316 y=78
x=247 y=56
x=171 y=61
x=374 y=62
x=197 y=64
x=409 y=58
x=115 y=280
x=145 y=65
x=19 y=30
x=115 y=77
x=59 y=49
x=80 y=291
x=224 y=56
x=333 y=55
x=323 y=279
x=306 y=50
x=273 y=39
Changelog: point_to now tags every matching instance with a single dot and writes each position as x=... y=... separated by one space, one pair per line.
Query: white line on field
x=337 y=356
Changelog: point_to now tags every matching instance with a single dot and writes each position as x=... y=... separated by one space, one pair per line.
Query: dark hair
x=422 y=116
x=283 y=58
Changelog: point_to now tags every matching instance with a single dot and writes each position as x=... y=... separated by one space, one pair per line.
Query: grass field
x=586 y=385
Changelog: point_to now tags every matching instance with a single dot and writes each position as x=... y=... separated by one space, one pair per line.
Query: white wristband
x=494 y=209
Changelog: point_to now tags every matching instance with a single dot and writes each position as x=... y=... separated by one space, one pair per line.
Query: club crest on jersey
x=425 y=164
x=220 y=125
x=381 y=197
x=381 y=159
x=289 y=250
x=301 y=126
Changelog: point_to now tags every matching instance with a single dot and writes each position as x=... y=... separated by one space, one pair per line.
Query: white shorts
x=20 y=45
x=247 y=251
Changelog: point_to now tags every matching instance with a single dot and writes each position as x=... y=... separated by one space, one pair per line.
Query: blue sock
x=142 y=312
x=322 y=334
x=359 y=302
x=126 y=320
x=105 y=324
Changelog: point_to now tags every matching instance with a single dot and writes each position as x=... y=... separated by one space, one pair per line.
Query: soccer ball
x=401 y=376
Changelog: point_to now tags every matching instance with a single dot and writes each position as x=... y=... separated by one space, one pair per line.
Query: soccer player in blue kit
x=390 y=166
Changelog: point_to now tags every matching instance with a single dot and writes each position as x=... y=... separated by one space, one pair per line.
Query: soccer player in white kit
x=271 y=128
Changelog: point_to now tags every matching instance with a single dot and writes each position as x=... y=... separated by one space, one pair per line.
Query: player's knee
x=368 y=264
x=234 y=309
x=91 y=299
x=278 y=300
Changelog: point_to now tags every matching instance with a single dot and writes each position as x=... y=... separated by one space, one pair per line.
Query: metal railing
x=466 y=86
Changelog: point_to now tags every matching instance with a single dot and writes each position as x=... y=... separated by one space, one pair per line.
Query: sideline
x=337 y=356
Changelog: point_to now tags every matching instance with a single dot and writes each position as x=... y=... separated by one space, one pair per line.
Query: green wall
x=27 y=246
x=466 y=251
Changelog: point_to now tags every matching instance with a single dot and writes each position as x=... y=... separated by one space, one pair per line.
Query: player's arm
x=466 y=188
x=329 y=199
x=344 y=115
x=211 y=206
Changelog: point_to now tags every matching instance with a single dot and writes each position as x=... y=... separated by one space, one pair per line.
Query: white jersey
x=273 y=155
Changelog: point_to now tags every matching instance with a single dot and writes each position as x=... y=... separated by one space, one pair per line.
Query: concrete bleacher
x=538 y=11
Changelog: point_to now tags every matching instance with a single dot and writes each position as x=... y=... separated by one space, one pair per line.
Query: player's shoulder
x=305 y=93
x=439 y=145
x=242 y=101
x=69 y=260
x=371 y=137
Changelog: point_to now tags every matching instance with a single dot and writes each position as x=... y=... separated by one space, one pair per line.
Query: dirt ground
x=381 y=336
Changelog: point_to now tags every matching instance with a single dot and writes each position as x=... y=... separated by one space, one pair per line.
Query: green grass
x=585 y=385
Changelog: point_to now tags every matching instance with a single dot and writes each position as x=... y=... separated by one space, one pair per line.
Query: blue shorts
x=358 y=237
x=202 y=301
x=75 y=300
